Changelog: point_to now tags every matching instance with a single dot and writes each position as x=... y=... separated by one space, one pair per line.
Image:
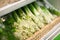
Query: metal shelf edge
x=51 y=32
x=11 y=7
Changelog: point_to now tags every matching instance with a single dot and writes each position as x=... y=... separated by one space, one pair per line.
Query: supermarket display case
x=41 y=34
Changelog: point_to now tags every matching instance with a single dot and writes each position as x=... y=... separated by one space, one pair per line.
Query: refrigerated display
x=27 y=20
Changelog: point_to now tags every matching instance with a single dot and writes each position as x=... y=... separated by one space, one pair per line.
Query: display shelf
x=11 y=7
x=51 y=34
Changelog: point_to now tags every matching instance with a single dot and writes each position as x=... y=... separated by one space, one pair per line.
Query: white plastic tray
x=51 y=34
x=11 y=7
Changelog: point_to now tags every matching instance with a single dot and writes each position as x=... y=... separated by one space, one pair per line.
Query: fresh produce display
x=24 y=22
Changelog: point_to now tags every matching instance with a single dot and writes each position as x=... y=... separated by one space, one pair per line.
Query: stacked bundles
x=24 y=22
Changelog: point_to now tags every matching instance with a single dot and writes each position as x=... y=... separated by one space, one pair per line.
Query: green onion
x=30 y=14
x=43 y=11
x=39 y=23
x=55 y=12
